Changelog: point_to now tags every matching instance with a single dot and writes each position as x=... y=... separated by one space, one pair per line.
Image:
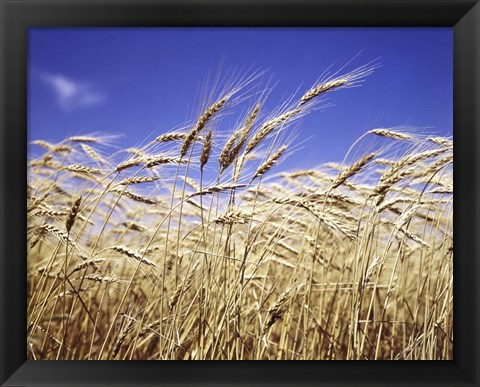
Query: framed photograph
x=207 y=180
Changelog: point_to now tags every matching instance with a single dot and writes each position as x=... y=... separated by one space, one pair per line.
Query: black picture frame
x=18 y=15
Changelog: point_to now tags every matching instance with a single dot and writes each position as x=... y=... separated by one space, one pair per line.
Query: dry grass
x=194 y=248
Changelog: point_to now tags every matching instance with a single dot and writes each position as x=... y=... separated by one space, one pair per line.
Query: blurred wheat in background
x=196 y=245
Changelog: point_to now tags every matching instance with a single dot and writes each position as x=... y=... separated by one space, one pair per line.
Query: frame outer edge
x=467 y=130
x=476 y=11
x=3 y=371
x=12 y=190
x=6 y=363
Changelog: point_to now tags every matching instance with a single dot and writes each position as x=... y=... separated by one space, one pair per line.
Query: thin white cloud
x=71 y=94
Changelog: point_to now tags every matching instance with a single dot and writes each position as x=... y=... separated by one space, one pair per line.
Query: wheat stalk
x=270 y=162
x=132 y=254
x=352 y=170
x=73 y=214
x=206 y=150
x=138 y=180
x=202 y=121
x=277 y=310
x=167 y=137
x=268 y=127
x=83 y=169
x=391 y=134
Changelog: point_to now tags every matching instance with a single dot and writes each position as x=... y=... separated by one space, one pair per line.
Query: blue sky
x=141 y=82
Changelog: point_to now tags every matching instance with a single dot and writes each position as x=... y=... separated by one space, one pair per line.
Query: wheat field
x=197 y=245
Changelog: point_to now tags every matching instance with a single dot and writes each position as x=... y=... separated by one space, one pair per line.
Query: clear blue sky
x=135 y=81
